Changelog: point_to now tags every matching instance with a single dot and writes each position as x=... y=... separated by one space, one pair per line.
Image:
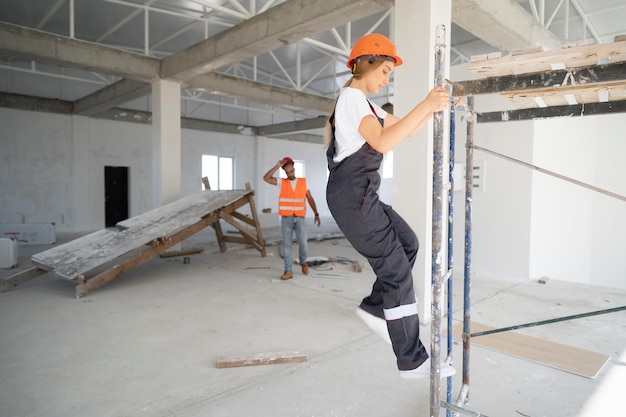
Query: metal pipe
x=461 y=410
x=450 y=244
x=552 y=173
x=462 y=398
x=469 y=189
x=542 y=322
x=437 y=215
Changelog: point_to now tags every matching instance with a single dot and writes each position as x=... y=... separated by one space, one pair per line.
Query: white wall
x=52 y=167
x=36 y=155
x=579 y=234
x=95 y=144
x=526 y=224
x=501 y=208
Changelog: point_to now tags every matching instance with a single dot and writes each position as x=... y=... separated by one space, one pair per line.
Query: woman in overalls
x=359 y=133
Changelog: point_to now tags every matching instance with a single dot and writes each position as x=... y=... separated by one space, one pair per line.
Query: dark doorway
x=115 y=195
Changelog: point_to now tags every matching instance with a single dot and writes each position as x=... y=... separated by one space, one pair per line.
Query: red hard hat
x=373 y=45
x=287 y=160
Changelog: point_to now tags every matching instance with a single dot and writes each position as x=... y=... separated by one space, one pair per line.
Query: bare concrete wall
x=52 y=166
x=525 y=225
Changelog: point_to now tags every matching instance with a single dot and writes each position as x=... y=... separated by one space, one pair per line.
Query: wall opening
x=220 y=170
x=115 y=195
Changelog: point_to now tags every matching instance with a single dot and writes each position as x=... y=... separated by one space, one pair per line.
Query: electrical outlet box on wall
x=478 y=177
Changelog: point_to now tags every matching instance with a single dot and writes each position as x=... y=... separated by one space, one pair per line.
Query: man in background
x=292 y=208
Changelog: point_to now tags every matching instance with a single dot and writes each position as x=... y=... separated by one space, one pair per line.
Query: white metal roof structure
x=244 y=62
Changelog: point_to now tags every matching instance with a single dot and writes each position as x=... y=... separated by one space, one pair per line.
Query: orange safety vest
x=292 y=202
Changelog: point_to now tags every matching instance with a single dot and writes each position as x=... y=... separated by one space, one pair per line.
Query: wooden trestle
x=142 y=237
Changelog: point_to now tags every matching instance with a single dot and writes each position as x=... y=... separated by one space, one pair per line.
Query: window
x=298 y=166
x=219 y=170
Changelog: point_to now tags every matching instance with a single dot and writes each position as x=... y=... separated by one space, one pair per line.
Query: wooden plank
x=183 y=212
x=548 y=112
x=243 y=218
x=567 y=358
x=20 y=277
x=48 y=259
x=78 y=257
x=247 y=234
x=172 y=254
x=261 y=359
x=84 y=285
x=556 y=96
x=599 y=75
x=574 y=57
x=219 y=233
x=256 y=222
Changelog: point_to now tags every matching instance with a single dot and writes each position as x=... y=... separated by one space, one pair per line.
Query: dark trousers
x=378 y=233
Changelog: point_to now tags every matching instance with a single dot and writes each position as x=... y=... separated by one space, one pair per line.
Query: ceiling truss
x=290 y=83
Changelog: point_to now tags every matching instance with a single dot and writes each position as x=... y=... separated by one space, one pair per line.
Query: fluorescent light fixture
x=559 y=66
x=540 y=102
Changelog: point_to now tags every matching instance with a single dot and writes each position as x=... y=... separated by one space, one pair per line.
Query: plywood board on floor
x=567 y=358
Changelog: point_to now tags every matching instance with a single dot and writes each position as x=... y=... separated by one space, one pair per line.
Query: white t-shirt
x=352 y=107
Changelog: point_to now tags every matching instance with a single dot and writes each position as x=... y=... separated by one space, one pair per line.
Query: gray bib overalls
x=378 y=233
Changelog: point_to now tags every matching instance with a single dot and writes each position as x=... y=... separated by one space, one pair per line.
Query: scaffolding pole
x=450 y=244
x=437 y=274
x=467 y=279
x=437 y=220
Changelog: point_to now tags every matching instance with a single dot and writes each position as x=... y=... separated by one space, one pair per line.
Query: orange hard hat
x=373 y=46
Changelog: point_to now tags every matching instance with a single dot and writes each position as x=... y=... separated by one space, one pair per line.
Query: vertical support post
x=450 y=245
x=166 y=142
x=469 y=189
x=437 y=207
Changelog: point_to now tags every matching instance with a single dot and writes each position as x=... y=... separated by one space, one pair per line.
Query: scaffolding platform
x=139 y=238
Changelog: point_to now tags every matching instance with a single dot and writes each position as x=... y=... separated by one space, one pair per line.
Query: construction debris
x=330 y=276
x=171 y=254
x=320 y=260
x=261 y=359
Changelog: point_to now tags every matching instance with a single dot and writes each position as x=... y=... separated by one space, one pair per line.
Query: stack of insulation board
x=8 y=253
x=29 y=233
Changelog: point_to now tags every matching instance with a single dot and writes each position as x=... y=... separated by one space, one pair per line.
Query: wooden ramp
x=142 y=237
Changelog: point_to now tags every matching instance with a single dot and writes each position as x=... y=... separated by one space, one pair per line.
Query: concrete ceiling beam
x=221 y=84
x=111 y=96
x=290 y=127
x=29 y=103
x=18 y=42
x=281 y=25
x=503 y=24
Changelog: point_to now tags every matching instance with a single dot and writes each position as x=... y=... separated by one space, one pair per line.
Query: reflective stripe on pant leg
x=400 y=312
x=380 y=244
x=394 y=274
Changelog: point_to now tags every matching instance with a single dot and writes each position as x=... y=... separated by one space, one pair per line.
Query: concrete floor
x=147 y=343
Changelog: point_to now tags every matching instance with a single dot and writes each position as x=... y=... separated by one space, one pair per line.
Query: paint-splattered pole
x=437 y=220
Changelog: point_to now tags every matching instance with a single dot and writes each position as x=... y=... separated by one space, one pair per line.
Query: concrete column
x=166 y=142
x=414 y=30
